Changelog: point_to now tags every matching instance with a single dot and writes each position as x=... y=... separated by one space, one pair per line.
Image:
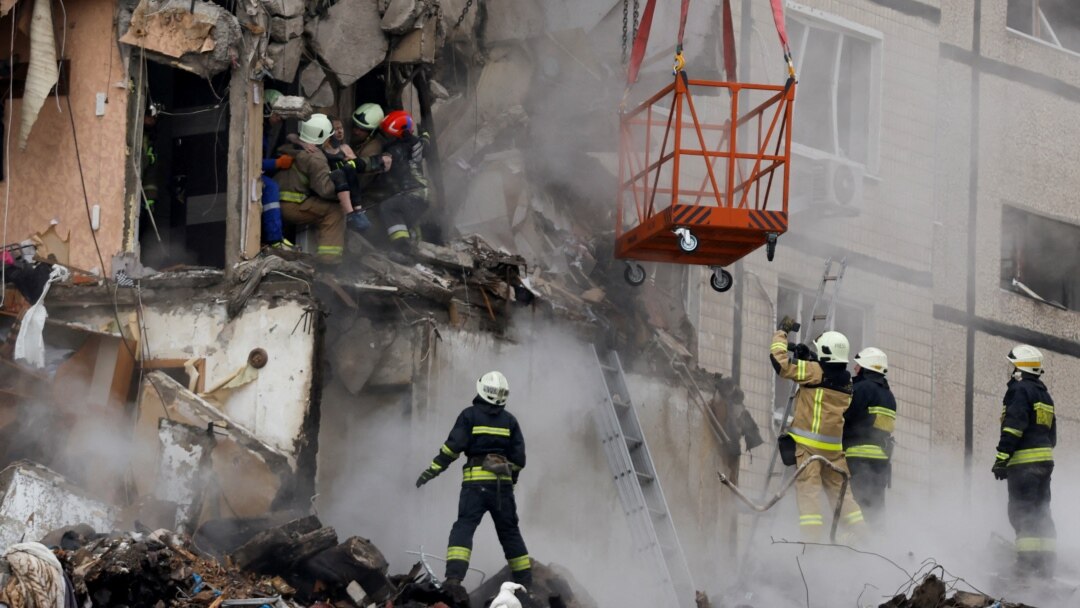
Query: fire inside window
x=1055 y=22
x=1040 y=258
x=839 y=75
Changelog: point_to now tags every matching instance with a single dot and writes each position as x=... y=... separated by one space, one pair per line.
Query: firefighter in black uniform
x=494 y=448
x=1025 y=457
x=868 y=427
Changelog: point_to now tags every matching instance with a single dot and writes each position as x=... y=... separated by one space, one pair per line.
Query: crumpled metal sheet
x=43 y=72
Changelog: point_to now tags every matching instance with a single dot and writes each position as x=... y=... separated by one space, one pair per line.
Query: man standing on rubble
x=405 y=182
x=1025 y=457
x=868 y=426
x=817 y=430
x=494 y=447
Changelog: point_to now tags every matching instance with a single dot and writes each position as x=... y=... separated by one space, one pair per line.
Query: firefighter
x=1025 y=457
x=817 y=430
x=405 y=183
x=309 y=194
x=494 y=448
x=271 y=195
x=868 y=426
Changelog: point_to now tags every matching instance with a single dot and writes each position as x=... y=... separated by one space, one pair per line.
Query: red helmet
x=397 y=124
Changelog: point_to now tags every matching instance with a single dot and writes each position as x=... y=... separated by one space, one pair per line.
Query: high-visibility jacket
x=309 y=176
x=480 y=430
x=1028 y=425
x=871 y=419
x=824 y=394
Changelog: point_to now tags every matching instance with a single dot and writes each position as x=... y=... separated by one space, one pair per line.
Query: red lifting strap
x=781 y=29
x=682 y=22
x=642 y=39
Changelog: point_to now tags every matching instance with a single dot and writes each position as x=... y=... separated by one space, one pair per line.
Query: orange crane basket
x=696 y=180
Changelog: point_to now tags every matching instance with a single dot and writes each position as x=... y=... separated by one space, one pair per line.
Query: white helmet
x=832 y=347
x=873 y=359
x=316 y=129
x=368 y=117
x=1026 y=358
x=493 y=388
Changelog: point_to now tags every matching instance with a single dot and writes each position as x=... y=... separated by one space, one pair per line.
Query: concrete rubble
x=200 y=37
x=348 y=39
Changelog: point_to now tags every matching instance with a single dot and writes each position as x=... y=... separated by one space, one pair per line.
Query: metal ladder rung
x=633 y=443
x=618 y=402
x=657 y=514
x=644 y=476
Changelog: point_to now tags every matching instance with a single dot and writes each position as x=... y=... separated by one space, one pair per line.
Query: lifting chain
x=636 y=19
x=625 y=9
x=465 y=11
x=629 y=29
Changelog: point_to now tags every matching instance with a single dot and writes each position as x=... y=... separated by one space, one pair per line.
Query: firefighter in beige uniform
x=818 y=428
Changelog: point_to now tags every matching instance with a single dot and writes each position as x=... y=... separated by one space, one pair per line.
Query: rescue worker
x=868 y=427
x=404 y=182
x=365 y=129
x=309 y=193
x=494 y=448
x=345 y=165
x=1025 y=457
x=817 y=430
x=272 y=233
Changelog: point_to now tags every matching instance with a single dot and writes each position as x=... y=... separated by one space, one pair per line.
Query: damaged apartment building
x=166 y=374
x=163 y=370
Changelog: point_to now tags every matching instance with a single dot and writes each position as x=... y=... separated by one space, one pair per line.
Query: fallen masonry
x=298 y=563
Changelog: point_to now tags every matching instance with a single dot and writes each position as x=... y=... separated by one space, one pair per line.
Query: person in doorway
x=405 y=182
x=868 y=427
x=494 y=448
x=347 y=170
x=1025 y=458
x=309 y=194
x=817 y=430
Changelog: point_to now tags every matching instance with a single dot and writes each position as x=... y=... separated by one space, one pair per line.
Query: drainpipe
x=973 y=213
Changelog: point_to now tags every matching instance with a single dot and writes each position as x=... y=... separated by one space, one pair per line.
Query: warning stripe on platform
x=688 y=214
x=769 y=221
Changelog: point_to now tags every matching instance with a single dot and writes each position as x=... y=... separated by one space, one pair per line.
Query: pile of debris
x=932 y=591
x=233 y=562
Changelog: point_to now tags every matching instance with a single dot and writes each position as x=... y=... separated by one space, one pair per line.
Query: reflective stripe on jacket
x=1028 y=423
x=871 y=419
x=822 y=398
x=480 y=430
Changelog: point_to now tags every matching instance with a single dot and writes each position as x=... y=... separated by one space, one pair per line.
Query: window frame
x=1057 y=46
x=815 y=18
x=1005 y=283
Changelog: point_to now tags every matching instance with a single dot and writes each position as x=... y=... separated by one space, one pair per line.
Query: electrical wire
x=7 y=154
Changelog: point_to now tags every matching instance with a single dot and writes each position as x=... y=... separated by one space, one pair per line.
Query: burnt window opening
x=184 y=169
x=1055 y=22
x=850 y=320
x=1040 y=258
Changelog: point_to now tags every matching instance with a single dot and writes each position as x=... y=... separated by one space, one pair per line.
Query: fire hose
x=787 y=486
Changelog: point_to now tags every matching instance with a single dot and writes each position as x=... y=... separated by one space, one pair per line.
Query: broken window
x=839 y=70
x=798 y=304
x=1040 y=258
x=1055 y=22
x=184 y=169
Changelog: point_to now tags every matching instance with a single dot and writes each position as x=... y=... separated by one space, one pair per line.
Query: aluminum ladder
x=834 y=277
x=652 y=530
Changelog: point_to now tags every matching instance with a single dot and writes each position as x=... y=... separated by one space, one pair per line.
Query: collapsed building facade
x=326 y=391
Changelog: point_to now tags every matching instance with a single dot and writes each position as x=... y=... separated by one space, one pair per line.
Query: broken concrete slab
x=175 y=395
x=311 y=78
x=35 y=500
x=283 y=29
x=418 y=45
x=283 y=546
x=185 y=460
x=323 y=97
x=400 y=15
x=504 y=82
x=292 y=106
x=286 y=58
x=356 y=559
x=200 y=37
x=408 y=279
x=395 y=367
x=516 y=20
x=284 y=8
x=349 y=40
x=358 y=352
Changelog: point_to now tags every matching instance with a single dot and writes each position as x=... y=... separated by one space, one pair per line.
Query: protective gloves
x=357 y=221
x=425 y=477
x=788 y=325
x=283 y=162
x=1000 y=468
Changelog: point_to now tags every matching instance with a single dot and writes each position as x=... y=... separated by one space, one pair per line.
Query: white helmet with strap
x=873 y=359
x=1026 y=358
x=493 y=388
x=832 y=347
x=316 y=129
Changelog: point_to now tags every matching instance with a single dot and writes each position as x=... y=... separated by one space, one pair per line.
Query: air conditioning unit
x=824 y=184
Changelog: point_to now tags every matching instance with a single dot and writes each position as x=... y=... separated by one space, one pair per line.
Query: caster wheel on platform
x=721 y=280
x=687 y=241
x=634 y=274
x=770 y=246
